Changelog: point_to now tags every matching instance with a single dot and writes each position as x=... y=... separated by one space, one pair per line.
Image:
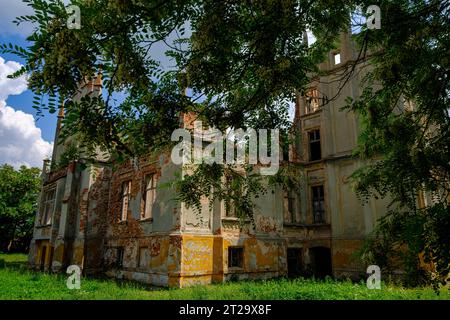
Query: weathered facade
x=121 y=223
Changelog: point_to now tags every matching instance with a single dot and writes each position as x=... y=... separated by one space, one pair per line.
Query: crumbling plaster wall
x=45 y=235
x=160 y=235
x=207 y=234
x=350 y=220
x=181 y=247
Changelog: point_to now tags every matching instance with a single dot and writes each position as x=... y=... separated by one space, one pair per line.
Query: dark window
x=294 y=259
x=315 y=152
x=235 y=257
x=320 y=258
x=318 y=204
x=119 y=257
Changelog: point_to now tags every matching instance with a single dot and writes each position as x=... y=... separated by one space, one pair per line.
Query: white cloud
x=10 y=86
x=21 y=142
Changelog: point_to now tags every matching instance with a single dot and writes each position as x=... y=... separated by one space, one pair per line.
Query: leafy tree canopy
x=243 y=60
x=406 y=135
x=19 y=190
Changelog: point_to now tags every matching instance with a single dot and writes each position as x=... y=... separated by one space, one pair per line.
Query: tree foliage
x=236 y=185
x=240 y=69
x=406 y=135
x=19 y=190
x=243 y=60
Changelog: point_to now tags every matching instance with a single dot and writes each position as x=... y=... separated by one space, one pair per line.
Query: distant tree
x=19 y=190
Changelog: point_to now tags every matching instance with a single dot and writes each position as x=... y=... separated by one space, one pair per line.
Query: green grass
x=16 y=282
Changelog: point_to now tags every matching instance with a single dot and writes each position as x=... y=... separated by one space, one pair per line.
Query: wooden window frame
x=148 y=190
x=46 y=217
x=321 y=199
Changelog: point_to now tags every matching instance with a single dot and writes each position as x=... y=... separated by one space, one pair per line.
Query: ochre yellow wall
x=40 y=247
x=205 y=259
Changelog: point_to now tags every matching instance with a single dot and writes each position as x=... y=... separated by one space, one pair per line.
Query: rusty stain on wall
x=180 y=247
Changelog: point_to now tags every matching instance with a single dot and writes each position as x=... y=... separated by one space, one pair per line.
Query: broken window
x=312 y=100
x=126 y=196
x=149 y=196
x=318 y=204
x=235 y=257
x=315 y=152
x=143 y=257
x=48 y=207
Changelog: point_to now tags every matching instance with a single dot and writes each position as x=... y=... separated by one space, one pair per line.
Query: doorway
x=294 y=262
x=321 y=261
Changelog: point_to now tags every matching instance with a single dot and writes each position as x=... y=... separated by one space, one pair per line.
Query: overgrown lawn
x=17 y=282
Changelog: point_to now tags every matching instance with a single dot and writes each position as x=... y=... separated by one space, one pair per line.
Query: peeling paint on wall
x=179 y=246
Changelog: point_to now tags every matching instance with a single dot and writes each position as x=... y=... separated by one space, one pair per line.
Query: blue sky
x=10 y=33
x=24 y=139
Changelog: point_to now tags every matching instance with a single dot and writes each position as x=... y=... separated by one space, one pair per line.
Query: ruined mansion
x=121 y=223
